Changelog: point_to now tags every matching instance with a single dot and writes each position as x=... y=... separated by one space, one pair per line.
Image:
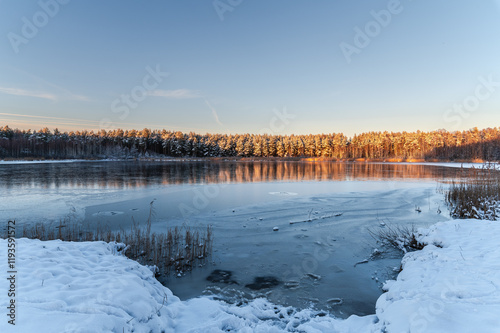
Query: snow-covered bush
x=404 y=238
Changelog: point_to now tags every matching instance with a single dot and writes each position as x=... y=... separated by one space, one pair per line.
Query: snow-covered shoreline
x=452 y=285
x=10 y=162
x=465 y=165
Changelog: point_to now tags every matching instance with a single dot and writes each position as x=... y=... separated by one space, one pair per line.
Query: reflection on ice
x=126 y=175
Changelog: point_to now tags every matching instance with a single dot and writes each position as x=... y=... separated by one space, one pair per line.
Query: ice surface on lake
x=49 y=191
x=327 y=241
x=323 y=235
x=328 y=237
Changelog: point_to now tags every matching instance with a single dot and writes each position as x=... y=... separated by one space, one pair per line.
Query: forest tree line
x=459 y=145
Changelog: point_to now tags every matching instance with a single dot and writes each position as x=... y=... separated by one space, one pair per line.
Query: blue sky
x=238 y=66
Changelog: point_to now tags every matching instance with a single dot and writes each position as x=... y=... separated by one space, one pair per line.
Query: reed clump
x=176 y=250
x=401 y=237
x=476 y=194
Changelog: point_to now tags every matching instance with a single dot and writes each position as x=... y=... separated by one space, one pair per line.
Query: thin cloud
x=74 y=97
x=175 y=94
x=62 y=93
x=27 y=93
x=214 y=113
x=77 y=120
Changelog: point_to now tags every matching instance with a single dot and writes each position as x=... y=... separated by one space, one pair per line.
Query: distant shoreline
x=248 y=159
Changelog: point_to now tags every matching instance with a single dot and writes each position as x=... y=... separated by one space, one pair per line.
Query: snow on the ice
x=466 y=165
x=40 y=161
x=283 y=193
x=452 y=285
x=60 y=161
x=108 y=213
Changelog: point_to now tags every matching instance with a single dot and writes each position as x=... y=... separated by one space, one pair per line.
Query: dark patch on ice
x=336 y=269
x=263 y=282
x=301 y=236
x=221 y=276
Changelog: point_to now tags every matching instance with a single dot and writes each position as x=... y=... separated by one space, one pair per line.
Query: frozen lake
x=314 y=263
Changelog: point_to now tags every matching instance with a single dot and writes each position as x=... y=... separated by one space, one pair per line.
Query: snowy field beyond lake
x=452 y=285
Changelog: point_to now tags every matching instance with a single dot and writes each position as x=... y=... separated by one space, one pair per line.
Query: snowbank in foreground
x=90 y=287
x=450 y=286
x=81 y=287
